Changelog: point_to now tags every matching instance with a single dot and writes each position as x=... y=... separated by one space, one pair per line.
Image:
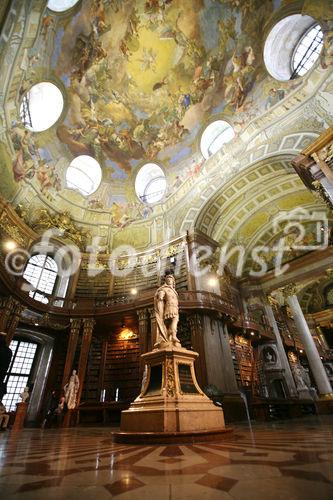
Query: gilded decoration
x=170 y=374
x=12 y=230
x=289 y=290
x=44 y=220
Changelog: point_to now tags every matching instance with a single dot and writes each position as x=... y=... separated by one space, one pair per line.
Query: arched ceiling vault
x=311 y=295
x=244 y=211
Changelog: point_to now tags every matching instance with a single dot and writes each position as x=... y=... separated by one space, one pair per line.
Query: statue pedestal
x=21 y=413
x=70 y=418
x=305 y=394
x=171 y=403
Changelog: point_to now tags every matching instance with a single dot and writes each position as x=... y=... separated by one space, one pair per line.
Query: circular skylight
x=214 y=136
x=292 y=47
x=84 y=174
x=61 y=5
x=150 y=183
x=41 y=106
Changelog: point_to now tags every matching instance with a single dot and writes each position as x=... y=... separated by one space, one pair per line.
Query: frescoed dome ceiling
x=142 y=77
x=140 y=80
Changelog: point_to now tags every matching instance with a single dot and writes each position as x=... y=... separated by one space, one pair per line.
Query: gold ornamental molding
x=170 y=378
x=13 y=226
x=63 y=221
x=289 y=290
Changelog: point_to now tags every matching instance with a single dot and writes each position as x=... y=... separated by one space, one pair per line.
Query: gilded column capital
x=142 y=314
x=75 y=322
x=271 y=301
x=289 y=290
x=88 y=324
x=152 y=313
x=195 y=321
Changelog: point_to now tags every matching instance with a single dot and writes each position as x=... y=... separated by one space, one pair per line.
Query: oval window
x=292 y=47
x=41 y=106
x=214 y=136
x=150 y=183
x=61 y=5
x=84 y=174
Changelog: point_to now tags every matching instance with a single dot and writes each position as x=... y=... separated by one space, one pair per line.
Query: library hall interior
x=166 y=249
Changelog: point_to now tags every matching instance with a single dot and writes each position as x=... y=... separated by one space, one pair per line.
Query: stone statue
x=301 y=380
x=166 y=311
x=71 y=389
x=25 y=395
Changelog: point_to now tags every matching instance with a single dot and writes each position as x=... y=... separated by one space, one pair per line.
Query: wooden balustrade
x=96 y=306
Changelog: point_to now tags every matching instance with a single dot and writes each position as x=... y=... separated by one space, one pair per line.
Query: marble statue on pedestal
x=166 y=311
x=171 y=401
x=25 y=395
x=71 y=390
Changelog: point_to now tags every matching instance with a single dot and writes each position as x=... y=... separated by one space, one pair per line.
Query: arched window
x=61 y=5
x=214 y=136
x=84 y=174
x=150 y=183
x=17 y=378
x=292 y=47
x=41 y=106
x=41 y=271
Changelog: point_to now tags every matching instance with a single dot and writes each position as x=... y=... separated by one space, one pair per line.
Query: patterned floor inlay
x=291 y=459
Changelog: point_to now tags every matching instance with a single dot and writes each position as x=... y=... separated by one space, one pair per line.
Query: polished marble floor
x=283 y=460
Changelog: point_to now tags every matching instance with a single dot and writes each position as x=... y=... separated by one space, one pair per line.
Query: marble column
x=75 y=325
x=316 y=365
x=143 y=334
x=280 y=348
x=88 y=326
x=197 y=342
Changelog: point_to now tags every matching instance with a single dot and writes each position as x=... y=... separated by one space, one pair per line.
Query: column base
x=325 y=397
x=324 y=406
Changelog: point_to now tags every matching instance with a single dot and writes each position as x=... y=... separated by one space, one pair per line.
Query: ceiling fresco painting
x=140 y=80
